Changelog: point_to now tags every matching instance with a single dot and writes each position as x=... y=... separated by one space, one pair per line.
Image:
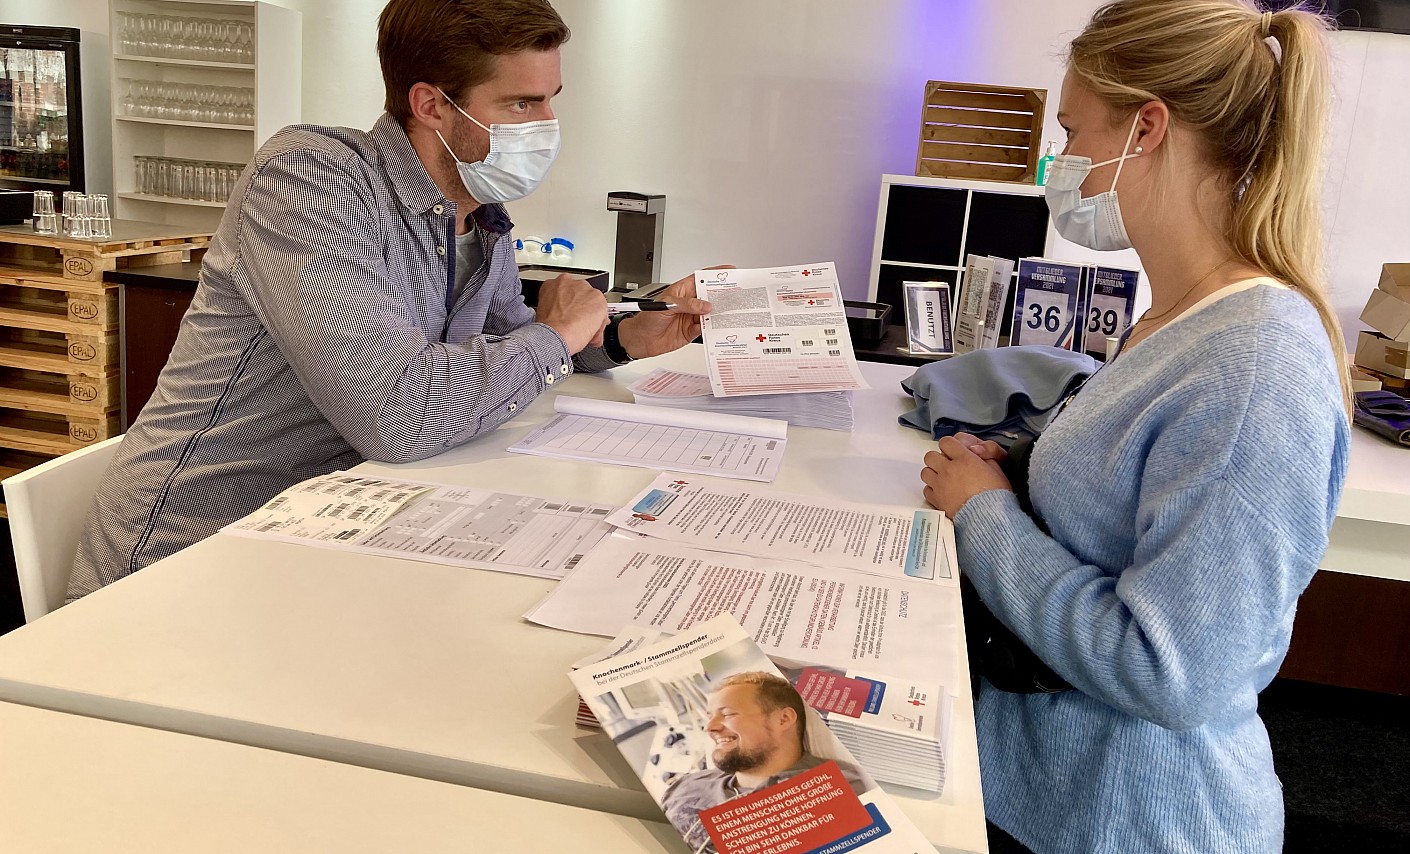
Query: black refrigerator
x=41 y=109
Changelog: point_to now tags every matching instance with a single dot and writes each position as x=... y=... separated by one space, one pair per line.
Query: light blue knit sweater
x=1190 y=488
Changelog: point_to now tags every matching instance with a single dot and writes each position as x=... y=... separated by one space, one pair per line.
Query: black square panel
x=923 y=225
x=1006 y=225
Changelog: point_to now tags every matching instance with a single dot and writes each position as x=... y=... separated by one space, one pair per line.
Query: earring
x=1139 y=149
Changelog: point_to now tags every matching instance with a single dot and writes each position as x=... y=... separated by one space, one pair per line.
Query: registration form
x=454 y=525
x=777 y=330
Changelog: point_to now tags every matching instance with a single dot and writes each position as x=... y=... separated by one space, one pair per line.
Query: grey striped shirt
x=320 y=336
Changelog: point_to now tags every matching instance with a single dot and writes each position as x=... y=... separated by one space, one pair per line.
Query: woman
x=1190 y=485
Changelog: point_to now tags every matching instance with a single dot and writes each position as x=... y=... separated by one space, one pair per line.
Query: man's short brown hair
x=452 y=43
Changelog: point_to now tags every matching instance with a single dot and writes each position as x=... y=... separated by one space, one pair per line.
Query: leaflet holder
x=640 y=225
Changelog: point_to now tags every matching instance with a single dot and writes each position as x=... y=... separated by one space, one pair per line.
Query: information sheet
x=898 y=542
x=796 y=611
x=453 y=525
x=777 y=329
x=630 y=434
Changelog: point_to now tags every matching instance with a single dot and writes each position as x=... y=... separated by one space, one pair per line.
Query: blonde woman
x=1190 y=485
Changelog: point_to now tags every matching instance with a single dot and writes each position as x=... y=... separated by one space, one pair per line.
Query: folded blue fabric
x=1385 y=413
x=1003 y=393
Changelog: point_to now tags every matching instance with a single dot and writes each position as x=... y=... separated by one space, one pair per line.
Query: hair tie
x=1267 y=22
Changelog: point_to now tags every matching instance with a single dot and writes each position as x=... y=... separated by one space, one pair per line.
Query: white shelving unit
x=274 y=75
x=926 y=226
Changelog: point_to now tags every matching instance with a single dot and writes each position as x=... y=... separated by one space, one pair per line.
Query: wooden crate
x=986 y=133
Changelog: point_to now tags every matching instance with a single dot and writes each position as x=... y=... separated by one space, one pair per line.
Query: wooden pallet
x=60 y=378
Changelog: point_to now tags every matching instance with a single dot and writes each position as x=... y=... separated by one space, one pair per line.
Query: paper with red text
x=777 y=330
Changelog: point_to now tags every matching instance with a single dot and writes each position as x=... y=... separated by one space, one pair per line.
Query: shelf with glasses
x=171 y=200
x=195 y=63
x=184 y=124
x=196 y=83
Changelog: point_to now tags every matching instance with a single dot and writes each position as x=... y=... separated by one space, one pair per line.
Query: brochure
x=777 y=330
x=900 y=542
x=999 y=287
x=735 y=759
x=897 y=728
x=974 y=300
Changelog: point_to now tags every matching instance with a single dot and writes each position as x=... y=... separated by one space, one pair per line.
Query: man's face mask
x=519 y=159
x=1094 y=222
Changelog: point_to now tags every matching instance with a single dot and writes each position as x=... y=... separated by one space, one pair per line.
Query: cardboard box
x=1395 y=280
x=1381 y=354
x=1362 y=381
x=1388 y=315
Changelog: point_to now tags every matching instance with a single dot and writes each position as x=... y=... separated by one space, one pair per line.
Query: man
x=758 y=723
x=360 y=299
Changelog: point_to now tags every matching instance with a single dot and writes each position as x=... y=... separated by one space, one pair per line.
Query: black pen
x=614 y=308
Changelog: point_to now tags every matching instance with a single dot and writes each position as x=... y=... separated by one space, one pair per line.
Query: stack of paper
x=776 y=330
x=830 y=410
x=897 y=728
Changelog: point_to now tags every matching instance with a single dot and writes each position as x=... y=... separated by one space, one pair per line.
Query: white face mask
x=1093 y=222
x=519 y=159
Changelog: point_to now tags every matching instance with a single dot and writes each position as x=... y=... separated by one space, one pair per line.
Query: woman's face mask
x=519 y=159
x=1093 y=222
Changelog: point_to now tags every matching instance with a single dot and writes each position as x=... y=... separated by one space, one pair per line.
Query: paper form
x=630 y=434
x=795 y=611
x=453 y=525
x=777 y=330
x=897 y=542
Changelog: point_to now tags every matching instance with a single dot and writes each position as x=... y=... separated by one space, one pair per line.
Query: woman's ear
x=1152 y=123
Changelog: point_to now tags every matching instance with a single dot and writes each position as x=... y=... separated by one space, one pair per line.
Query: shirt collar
x=412 y=183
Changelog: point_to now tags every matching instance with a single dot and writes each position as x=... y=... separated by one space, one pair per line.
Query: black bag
x=996 y=653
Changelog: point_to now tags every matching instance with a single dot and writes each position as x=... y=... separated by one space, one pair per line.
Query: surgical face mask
x=1093 y=222
x=519 y=159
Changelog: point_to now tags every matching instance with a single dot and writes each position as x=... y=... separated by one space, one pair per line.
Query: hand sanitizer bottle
x=1043 y=163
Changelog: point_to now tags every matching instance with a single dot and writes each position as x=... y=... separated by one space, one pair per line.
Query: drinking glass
x=76 y=215
x=100 y=222
x=44 y=212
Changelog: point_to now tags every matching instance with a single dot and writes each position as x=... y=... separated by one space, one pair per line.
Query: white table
x=80 y=785
x=1371 y=535
x=424 y=669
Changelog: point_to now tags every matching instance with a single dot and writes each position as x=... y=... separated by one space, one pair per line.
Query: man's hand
x=575 y=309
x=651 y=333
x=959 y=469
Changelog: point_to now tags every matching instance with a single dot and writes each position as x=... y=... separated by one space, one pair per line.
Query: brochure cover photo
x=728 y=749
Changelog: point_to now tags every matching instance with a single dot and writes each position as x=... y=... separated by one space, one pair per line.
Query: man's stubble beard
x=738 y=760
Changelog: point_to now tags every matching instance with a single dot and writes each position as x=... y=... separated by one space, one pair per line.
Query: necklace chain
x=1148 y=317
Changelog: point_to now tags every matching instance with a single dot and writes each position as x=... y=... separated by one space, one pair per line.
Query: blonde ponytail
x=1254 y=88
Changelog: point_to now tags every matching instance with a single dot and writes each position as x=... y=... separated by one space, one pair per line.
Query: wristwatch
x=612 y=345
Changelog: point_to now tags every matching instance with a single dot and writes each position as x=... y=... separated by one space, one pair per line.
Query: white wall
x=91 y=19
x=767 y=123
